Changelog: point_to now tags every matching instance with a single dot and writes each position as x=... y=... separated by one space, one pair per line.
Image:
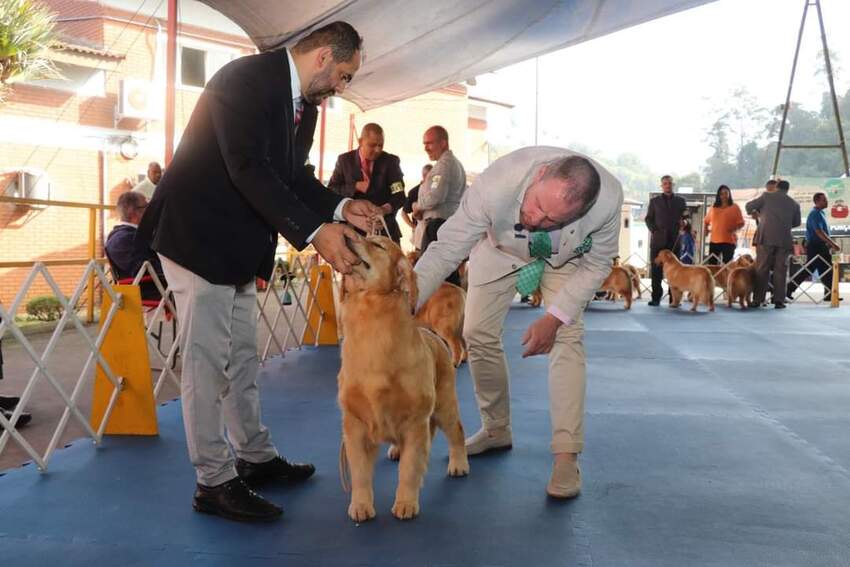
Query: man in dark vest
x=662 y=219
x=238 y=179
x=371 y=173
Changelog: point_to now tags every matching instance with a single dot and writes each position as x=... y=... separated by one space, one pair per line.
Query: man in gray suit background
x=777 y=214
x=538 y=217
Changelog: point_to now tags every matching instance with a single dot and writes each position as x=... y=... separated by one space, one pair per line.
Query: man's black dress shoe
x=8 y=403
x=654 y=303
x=235 y=501
x=779 y=306
x=277 y=469
x=24 y=418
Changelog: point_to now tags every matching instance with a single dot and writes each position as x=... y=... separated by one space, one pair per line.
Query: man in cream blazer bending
x=538 y=217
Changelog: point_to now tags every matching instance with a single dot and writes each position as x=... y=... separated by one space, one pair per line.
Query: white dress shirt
x=297 y=101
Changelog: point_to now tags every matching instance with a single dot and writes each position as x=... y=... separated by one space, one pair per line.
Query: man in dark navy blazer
x=126 y=253
x=371 y=173
x=238 y=179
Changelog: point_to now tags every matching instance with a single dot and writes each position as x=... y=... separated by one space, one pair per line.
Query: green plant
x=44 y=308
x=26 y=33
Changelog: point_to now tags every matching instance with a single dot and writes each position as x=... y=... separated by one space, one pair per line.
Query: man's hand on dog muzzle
x=361 y=213
x=331 y=244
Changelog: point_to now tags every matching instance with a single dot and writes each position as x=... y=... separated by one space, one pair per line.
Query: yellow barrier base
x=125 y=349
x=326 y=327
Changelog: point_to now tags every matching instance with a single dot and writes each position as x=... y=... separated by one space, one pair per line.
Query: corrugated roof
x=86 y=50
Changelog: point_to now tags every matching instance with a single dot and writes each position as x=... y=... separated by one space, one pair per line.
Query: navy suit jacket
x=385 y=186
x=238 y=177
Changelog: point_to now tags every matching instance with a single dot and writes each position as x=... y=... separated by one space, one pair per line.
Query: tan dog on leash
x=397 y=381
x=681 y=278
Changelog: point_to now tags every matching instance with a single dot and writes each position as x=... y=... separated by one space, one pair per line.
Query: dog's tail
x=344 y=471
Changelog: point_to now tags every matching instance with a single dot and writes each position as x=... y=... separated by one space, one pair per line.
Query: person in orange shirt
x=722 y=223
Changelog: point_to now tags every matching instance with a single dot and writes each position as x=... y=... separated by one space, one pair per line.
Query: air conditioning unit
x=139 y=99
x=25 y=184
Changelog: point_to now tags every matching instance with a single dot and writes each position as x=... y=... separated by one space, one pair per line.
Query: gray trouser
x=771 y=258
x=218 y=339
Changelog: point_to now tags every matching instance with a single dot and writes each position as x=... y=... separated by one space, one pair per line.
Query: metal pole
x=536 y=96
x=322 y=140
x=790 y=87
x=832 y=89
x=170 y=78
x=92 y=249
x=836 y=281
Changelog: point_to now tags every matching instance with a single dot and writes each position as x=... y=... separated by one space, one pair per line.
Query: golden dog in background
x=396 y=383
x=740 y=286
x=635 y=276
x=681 y=278
x=619 y=283
x=721 y=272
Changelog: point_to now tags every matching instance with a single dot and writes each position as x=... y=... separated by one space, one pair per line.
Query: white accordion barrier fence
x=289 y=316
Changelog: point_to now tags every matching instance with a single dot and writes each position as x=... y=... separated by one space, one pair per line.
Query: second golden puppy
x=619 y=282
x=740 y=286
x=681 y=278
x=443 y=312
x=397 y=381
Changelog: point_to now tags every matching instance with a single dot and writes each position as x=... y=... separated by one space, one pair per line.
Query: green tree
x=26 y=33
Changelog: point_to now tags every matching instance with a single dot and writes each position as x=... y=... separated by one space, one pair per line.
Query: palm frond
x=27 y=29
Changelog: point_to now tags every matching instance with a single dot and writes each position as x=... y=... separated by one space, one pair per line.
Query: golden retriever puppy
x=721 y=272
x=619 y=283
x=463 y=274
x=396 y=383
x=740 y=286
x=635 y=276
x=681 y=278
x=443 y=313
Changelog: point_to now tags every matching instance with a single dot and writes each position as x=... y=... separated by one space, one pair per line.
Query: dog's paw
x=393 y=452
x=459 y=467
x=361 y=511
x=405 y=510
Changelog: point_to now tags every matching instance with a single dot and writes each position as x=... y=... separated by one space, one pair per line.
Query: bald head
x=371 y=141
x=436 y=142
x=154 y=172
x=563 y=191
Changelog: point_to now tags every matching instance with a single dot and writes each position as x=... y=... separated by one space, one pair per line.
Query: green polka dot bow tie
x=539 y=247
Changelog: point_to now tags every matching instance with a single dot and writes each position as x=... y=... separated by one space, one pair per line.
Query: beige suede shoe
x=565 y=481
x=484 y=440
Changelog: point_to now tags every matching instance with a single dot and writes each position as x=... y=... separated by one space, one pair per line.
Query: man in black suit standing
x=662 y=219
x=238 y=179
x=371 y=173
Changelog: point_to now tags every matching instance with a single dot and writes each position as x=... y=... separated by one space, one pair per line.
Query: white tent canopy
x=412 y=47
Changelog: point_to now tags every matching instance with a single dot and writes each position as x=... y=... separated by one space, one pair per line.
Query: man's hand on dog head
x=539 y=338
x=330 y=243
x=361 y=213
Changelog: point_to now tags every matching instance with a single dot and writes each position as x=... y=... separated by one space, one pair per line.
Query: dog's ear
x=407 y=281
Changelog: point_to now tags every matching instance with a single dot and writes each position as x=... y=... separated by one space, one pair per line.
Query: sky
x=654 y=89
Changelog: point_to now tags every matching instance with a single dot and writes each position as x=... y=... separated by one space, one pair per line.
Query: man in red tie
x=371 y=173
